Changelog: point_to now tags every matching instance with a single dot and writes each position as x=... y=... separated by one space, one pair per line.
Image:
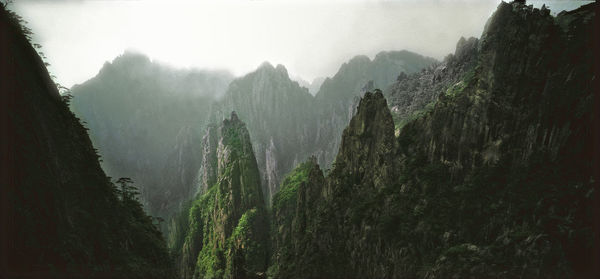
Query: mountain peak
x=234 y=116
x=369 y=136
x=266 y=65
x=394 y=53
x=233 y=121
x=372 y=100
x=131 y=57
x=128 y=62
x=359 y=59
x=280 y=68
x=465 y=47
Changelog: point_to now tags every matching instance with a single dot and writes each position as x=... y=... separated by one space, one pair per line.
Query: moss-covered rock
x=227 y=229
x=494 y=180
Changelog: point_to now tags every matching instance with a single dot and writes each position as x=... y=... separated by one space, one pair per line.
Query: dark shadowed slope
x=61 y=215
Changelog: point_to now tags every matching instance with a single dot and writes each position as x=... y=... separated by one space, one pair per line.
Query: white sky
x=311 y=38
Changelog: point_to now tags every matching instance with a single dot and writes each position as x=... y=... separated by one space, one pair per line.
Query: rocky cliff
x=147 y=120
x=61 y=215
x=226 y=231
x=278 y=112
x=496 y=179
x=287 y=124
x=410 y=94
x=338 y=95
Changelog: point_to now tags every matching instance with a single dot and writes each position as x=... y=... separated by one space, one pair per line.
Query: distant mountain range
x=147 y=120
x=483 y=165
x=482 y=168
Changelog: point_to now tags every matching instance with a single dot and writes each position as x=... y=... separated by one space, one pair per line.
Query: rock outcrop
x=495 y=180
x=410 y=94
x=226 y=233
x=278 y=113
x=337 y=97
x=287 y=124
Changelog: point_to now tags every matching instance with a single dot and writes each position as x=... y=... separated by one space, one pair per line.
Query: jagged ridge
x=493 y=181
x=226 y=233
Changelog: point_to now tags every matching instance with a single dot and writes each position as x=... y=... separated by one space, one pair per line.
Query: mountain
x=226 y=233
x=61 y=215
x=315 y=85
x=143 y=117
x=279 y=116
x=382 y=71
x=147 y=120
x=287 y=124
x=283 y=125
x=338 y=96
x=409 y=95
x=495 y=179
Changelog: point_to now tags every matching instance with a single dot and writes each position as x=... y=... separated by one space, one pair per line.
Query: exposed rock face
x=373 y=124
x=287 y=124
x=226 y=235
x=61 y=216
x=409 y=95
x=382 y=71
x=278 y=112
x=508 y=94
x=179 y=172
x=208 y=170
x=338 y=95
x=496 y=180
x=137 y=110
x=293 y=214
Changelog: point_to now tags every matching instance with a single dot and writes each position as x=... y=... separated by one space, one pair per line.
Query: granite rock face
x=225 y=234
x=147 y=121
x=278 y=112
x=409 y=95
x=496 y=179
x=339 y=95
x=288 y=125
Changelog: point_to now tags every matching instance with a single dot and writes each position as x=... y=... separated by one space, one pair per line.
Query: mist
x=310 y=38
x=299 y=138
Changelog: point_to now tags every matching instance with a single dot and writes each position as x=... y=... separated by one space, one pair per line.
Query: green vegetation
x=288 y=226
x=227 y=230
x=493 y=179
x=289 y=187
x=401 y=122
x=455 y=89
x=147 y=121
x=66 y=218
x=487 y=182
x=138 y=237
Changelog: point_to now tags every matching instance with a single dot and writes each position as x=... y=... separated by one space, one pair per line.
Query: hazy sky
x=311 y=38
